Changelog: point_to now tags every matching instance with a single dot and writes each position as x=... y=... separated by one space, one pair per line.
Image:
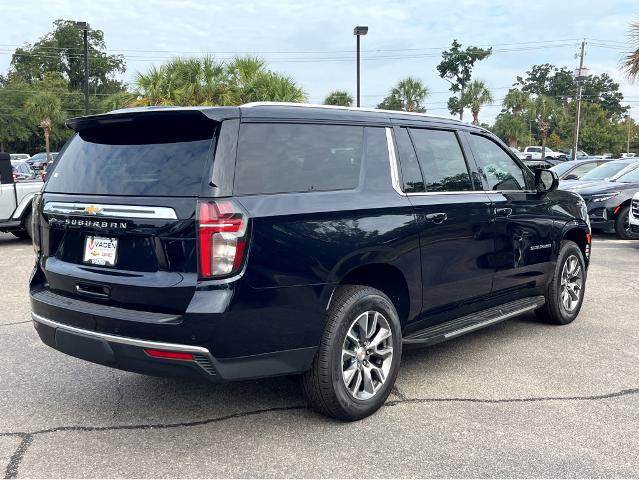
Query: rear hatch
x=117 y=214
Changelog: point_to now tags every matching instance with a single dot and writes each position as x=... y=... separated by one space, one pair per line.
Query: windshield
x=630 y=177
x=604 y=171
x=561 y=168
x=159 y=155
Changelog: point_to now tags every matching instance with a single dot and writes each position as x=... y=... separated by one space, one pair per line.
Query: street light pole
x=358 y=32
x=84 y=26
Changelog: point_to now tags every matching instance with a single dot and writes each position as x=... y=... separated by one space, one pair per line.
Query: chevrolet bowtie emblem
x=92 y=210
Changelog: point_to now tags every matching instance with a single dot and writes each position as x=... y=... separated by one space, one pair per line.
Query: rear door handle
x=503 y=212
x=437 y=217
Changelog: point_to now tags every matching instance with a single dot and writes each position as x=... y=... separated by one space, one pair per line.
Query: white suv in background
x=634 y=214
x=534 y=153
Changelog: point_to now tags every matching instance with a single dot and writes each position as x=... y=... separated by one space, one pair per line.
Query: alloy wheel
x=572 y=280
x=367 y=355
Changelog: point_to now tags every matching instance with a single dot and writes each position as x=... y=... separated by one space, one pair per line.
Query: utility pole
x=84 y=26
x=86 y=70
x=579 y=74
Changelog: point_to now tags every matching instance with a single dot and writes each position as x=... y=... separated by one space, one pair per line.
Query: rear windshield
x=159 y=155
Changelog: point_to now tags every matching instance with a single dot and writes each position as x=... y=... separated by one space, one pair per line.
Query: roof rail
x=338 y=107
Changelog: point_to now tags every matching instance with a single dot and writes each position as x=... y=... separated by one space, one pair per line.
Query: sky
x=313 y=42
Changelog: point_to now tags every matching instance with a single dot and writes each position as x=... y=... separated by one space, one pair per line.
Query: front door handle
x=437 y=217
x=503 y=212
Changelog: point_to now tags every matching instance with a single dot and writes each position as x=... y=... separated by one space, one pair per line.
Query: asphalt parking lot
x=520 y=399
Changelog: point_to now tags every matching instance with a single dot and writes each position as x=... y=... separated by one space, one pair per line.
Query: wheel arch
x=24 y=207
x=386 y=278
x=579 y=234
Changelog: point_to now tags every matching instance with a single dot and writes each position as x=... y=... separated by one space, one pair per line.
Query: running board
x=459 y=326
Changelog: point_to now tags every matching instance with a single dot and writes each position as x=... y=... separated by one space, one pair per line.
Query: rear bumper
x=130 y=354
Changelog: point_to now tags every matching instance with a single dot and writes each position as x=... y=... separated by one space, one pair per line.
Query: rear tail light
x=222 y=227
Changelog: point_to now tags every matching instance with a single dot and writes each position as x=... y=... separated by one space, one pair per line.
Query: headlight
x=602 y=197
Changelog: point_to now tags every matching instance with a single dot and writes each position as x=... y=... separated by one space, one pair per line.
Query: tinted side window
x=441 y=160
x=499 y=169
x=279 y=158
x=412 y=179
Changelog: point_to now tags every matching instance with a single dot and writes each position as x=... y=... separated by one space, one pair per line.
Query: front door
x=453 y=216
x=523 y=222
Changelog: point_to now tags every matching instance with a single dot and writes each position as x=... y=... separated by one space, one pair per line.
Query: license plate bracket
x=100 y=251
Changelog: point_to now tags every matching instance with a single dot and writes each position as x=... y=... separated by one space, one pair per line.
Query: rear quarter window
x=282 y=158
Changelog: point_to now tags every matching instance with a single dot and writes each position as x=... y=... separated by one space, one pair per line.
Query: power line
x=144 y=58
x=277 y=52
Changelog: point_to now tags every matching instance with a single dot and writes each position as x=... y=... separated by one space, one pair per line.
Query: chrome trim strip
x=123 y=340
x=498 y=319
x=393 y=162
x=106 y=210
x=461 y=192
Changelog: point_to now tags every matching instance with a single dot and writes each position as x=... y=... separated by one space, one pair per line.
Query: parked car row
x=607 y=187
x=37 y=162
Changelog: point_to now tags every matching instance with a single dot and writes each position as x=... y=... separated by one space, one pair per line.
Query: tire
x=559 y=310
x=26 y=232
x=331 y=385
x=622 y=225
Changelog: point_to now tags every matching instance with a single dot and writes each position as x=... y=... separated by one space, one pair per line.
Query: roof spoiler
x=123 y=116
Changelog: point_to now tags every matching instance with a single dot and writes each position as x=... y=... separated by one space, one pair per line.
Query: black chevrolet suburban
x=233 y=243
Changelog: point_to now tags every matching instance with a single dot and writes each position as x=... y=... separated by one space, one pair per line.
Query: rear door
x=453 y=217
x=118 y=211
x=523 y=219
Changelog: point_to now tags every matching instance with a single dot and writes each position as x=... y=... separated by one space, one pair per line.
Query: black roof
x=270 y=110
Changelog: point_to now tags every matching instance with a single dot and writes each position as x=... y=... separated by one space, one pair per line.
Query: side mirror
x=546 y=181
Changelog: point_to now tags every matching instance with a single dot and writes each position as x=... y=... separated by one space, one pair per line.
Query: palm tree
x=47 y=109
x=510 y=127
x=412 y=93
x=544 y=109
x=476 y=95
x=267 y=86
x=205 y=81
x=631 y=62
x=516 y=100
x=339 y=97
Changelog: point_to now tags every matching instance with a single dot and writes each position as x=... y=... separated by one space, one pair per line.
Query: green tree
x=512 y=128
x=46 y=108
x=631 y=63
x=205 y=81
x=598 y=132
x=560 y=83
x=516 y=101
x=409 y=95
x=62 y=51
x=456 y=67
x=339 y=97
x=545 y=109
x=475 y=96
